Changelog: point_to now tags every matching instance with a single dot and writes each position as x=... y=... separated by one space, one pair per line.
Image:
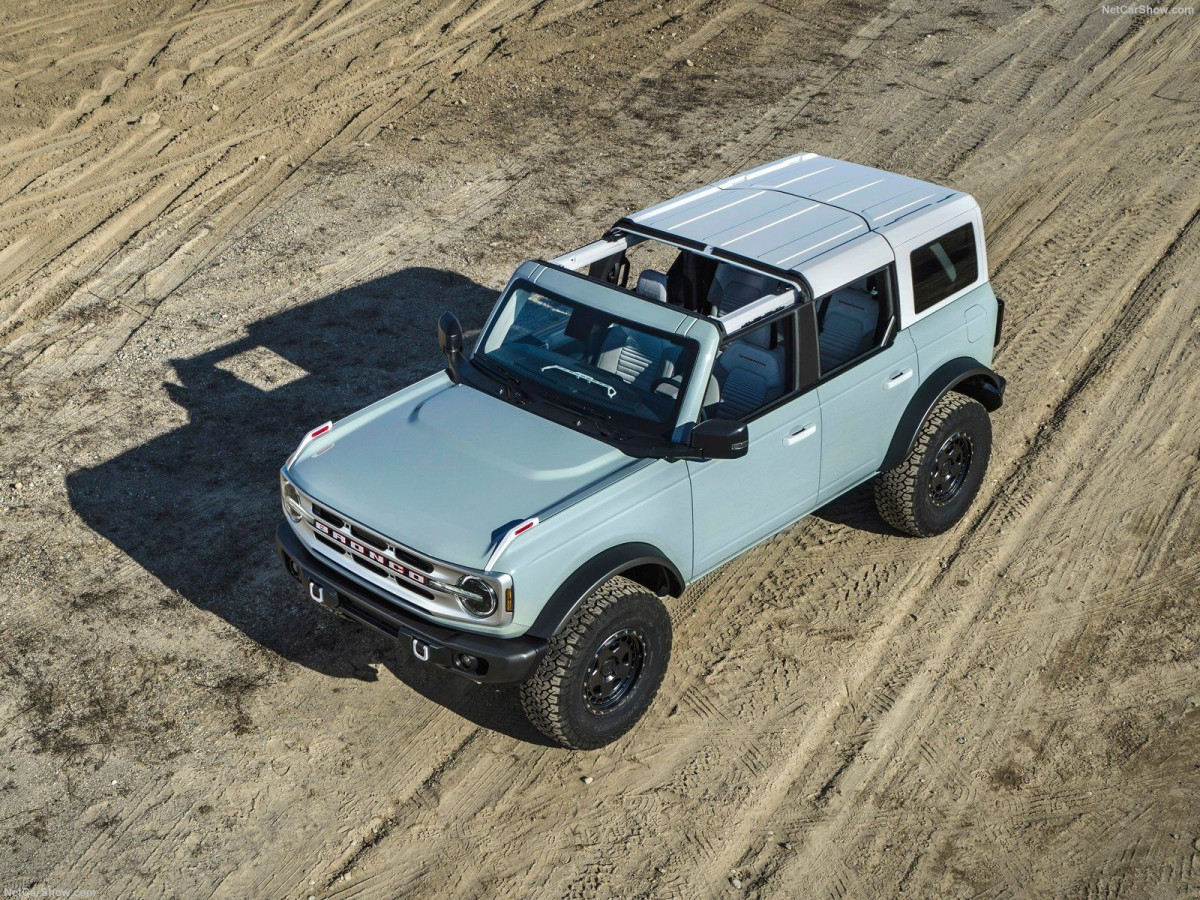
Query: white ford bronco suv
x=790 y=333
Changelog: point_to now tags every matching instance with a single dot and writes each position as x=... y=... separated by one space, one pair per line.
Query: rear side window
x=943 y=267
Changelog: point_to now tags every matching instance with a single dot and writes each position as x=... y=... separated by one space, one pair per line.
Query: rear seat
x=849 y=327
x=733 y=288
x=652 y=285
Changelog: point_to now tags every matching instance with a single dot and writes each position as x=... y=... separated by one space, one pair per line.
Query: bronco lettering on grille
x=370 y=554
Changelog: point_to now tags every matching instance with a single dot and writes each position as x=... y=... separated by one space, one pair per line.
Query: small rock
x=689 y=63
x=736 y=882
x=215 y=108
x=962 y=740
x=587 y=779
x=262 y=157
x=150 y=118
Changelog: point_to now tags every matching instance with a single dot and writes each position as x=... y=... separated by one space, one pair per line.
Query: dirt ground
x=223 y=222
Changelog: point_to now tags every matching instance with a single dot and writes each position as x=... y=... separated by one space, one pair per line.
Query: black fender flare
x=965 y=375
x=619 y=560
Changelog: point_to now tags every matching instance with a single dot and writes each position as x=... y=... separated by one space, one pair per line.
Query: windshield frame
x=632 y=426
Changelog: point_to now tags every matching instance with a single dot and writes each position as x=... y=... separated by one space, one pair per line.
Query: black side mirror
x=721 y=439
x=450 y=340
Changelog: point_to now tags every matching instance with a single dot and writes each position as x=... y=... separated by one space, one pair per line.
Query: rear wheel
x=603 y=667
x=932 y=488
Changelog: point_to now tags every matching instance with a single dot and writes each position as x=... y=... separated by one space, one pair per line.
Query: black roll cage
x=787 y=276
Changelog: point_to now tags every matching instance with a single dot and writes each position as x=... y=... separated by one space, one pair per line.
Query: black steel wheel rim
x=614 y=670
x=950 y=466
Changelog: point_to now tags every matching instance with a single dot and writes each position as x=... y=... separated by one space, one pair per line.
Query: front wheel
x=932 y=487
x=603 y=667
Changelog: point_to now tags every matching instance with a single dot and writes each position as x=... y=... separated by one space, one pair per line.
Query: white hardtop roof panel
x=848 y=261
x=794 y=210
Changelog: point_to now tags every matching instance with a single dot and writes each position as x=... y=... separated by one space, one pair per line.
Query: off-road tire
x=904 y=493
x=553 y=697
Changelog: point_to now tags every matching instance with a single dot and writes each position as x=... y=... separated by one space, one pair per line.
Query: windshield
x=602 y=364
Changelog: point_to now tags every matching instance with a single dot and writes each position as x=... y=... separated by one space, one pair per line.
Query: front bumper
x=497 y=660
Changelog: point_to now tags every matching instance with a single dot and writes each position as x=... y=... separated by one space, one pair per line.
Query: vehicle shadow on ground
x=197 y=507
x=856 y=509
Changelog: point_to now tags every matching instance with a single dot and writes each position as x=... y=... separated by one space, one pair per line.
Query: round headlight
x=291 y=502
x=479 y=598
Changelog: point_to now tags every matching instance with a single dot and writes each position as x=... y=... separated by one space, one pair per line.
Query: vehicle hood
x=447 y=469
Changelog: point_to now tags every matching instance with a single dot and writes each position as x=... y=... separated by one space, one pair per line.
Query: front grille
x=370 y=566
x=415 y=561
x=328 y=543
x=367 y=538
x=344 y=529
x=332 y=518
x=384 y=573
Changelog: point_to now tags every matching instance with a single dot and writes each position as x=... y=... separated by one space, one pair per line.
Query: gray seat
x=652 y=285
x=733 y=288
x=637 y=358
x=849 y=327
x=747 y=375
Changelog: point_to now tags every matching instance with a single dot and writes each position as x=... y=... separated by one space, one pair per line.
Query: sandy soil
x=222 y=222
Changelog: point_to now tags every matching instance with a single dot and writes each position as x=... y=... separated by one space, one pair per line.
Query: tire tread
x=896 y=489
x=539 y=694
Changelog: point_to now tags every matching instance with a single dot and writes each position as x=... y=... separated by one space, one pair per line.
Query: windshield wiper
x=510 y=382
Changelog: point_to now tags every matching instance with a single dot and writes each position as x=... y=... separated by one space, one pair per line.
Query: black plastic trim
x=501 y=660
x=809 y=356
x=964 y=375
x=616 y=560
x=999 y=320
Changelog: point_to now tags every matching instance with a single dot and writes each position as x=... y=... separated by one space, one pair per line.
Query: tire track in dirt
x=125 y=90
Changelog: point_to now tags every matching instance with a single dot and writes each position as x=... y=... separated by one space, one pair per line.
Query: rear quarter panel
x=965 y=326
